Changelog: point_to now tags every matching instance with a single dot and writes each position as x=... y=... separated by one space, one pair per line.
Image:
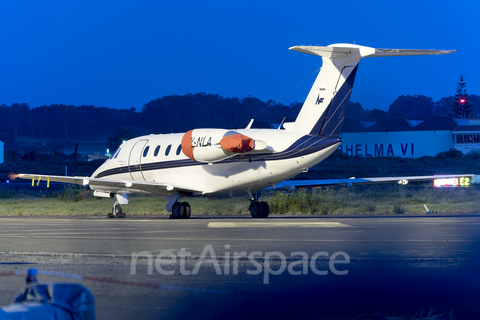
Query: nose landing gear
x=117 y=211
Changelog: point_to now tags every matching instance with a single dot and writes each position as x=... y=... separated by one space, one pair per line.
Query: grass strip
x=390 y=199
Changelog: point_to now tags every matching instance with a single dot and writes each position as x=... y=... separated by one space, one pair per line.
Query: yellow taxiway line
x=275 y=224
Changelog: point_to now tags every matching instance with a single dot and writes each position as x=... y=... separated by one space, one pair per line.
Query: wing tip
x=12 y=176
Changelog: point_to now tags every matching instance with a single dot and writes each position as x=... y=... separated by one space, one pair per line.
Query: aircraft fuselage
x=159 y=158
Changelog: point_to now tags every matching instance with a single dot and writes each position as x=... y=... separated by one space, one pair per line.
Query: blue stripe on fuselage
x=304 y=146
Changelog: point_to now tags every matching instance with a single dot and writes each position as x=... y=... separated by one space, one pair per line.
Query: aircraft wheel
x=178 y=210
x=188 y=210
x=256 y=209
x=265 y=208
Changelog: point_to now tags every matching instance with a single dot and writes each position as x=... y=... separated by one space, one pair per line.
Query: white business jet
x=225 y=163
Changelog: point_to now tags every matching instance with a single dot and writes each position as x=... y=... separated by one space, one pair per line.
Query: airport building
x=409 y=138
x=1 y=152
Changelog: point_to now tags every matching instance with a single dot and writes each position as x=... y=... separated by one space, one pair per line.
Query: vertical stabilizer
x=326 y=104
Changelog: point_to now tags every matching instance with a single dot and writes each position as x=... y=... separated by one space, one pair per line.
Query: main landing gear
x=258 y=209
x=181 y=210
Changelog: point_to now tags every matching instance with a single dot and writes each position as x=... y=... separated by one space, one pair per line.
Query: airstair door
x=135 y=160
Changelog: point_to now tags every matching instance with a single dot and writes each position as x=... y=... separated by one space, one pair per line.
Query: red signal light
x=462 y=100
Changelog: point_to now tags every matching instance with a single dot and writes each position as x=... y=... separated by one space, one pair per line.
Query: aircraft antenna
x=271 y=103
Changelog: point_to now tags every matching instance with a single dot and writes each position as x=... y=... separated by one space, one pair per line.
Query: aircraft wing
x=109 y=185
x=132 y=186
x=293 y=184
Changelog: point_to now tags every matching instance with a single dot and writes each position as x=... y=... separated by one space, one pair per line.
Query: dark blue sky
x=122 y=54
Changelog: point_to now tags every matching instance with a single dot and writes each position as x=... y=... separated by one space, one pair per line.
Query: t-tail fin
x=326 y=104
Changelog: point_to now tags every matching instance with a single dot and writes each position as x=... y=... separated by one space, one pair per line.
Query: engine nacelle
x=212 y=145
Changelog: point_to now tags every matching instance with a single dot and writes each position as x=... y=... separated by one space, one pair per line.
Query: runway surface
x=312 y=267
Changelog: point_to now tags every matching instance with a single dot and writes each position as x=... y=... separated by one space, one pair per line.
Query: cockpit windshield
x=115 y=154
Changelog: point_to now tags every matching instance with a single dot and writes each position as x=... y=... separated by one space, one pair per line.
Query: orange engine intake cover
x=237 y=143
x=187 y=145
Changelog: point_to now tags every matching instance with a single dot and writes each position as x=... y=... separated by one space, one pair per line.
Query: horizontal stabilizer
x=407 y=52
x=342 y=50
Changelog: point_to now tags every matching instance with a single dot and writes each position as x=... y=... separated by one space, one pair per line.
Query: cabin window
x=167 y=151
x=179 y=149
x=157 y=149
x=145 y=152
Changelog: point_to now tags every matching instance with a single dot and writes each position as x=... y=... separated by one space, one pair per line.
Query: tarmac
x=209 y=267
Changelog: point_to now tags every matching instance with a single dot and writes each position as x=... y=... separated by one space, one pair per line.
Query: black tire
x=188 y=210
x=256 y=209
x=266 y=209
x=178 y=211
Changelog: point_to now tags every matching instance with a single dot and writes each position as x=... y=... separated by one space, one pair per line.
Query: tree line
x=180 y=113
x=174 y=113
x=417 y=106
x=58 y=121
